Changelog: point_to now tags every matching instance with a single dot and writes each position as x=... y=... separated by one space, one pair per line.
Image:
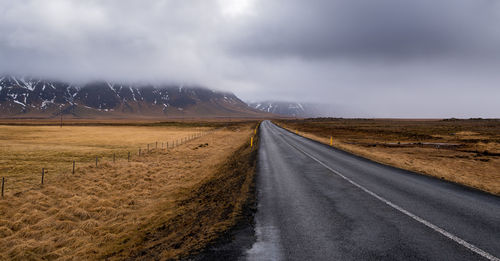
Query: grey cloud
x=377 y=58
x=388 y=29
x=104 y=39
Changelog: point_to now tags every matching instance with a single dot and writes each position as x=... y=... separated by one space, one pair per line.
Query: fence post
x=73 y=167
x=3 y=183
x=128 y=158
x=113 y=157
x=96 y=162
x=43 y=174
x=156 y=145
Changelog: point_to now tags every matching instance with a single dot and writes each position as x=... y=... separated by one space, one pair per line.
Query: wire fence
x=156 y=146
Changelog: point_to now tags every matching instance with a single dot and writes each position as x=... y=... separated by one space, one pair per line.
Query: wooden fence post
x=43 y=174
x=156 y=145
x=128 y=158
x=3 y=184
x=96 y=162
x=73 y=167
x=113 y=157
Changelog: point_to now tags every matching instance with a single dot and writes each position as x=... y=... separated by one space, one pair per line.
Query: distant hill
x=27 y=97
x=282 y=108
x=293 y=109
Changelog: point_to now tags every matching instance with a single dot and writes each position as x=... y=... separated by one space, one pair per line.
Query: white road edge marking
x=443 y=232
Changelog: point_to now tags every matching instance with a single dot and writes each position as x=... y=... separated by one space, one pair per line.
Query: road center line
x=443 y=232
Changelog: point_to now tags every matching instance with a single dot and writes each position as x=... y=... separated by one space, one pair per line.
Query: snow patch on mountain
x=292 y=109
x=42 y=96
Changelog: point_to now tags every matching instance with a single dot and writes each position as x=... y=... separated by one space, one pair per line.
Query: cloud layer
x=382 y=58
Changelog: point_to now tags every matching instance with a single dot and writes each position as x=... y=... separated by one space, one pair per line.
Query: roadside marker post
x=43 y=174
x=331 y=141
x=96 y=162
x=128 y=157
x=73 y=172
x=3 y=184
x=251 y=142
x=113 y=157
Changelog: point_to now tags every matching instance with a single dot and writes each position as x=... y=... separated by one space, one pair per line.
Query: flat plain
x=461 y=151
x=25 y=150
x=164 y=204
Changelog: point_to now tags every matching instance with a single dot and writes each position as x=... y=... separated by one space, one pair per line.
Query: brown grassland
x=461 y=151
x=25 y=150
x=165 y=204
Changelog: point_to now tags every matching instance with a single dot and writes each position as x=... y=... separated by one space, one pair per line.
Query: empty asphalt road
x=319 y=203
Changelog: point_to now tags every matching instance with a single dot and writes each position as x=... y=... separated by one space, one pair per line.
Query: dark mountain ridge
x=28 y=97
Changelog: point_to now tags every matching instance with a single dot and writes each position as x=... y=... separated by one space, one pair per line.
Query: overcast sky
x=367 y=58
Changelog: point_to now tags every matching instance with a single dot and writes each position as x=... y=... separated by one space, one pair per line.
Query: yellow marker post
x=331 y=141
x=251 y=142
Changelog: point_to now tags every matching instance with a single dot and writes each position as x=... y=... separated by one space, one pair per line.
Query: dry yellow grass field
x=163 y=205
x=25 y=150
x=461 y=151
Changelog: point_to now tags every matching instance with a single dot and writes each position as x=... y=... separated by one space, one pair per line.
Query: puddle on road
x=267 y=246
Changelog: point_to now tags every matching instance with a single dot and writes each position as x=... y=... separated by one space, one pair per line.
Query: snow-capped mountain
x=22 y=96
x=292 y=109
x=295 y=109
